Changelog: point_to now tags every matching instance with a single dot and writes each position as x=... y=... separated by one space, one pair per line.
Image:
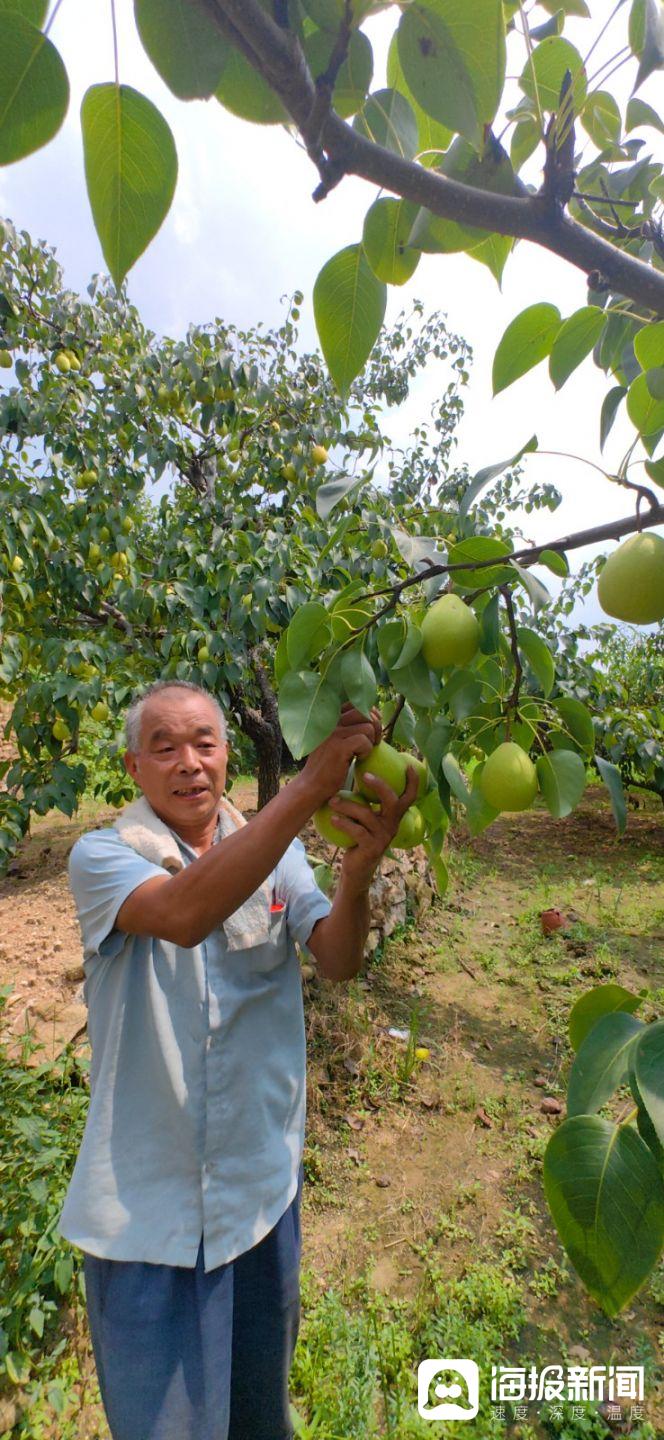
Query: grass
x=426 y=1232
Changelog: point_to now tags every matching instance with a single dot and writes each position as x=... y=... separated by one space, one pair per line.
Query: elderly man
x=186 y=1191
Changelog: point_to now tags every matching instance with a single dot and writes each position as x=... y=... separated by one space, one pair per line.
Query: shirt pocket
x=274 y=950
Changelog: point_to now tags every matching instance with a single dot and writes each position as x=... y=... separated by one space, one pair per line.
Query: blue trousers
x=182 y=1355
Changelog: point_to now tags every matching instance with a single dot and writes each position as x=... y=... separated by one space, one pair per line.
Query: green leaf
x=245 y=93
x=411 y=646
x=479 y=813
x=480 y=548
x=34 y=89
x=613 y=780
x=539 y=658
x=387 y=226
x=36 y=1319
x=646 y=37
x=63 y=1271
x=644 y=410
x=578 y=721
x=639 y=113
x=414 y=681
x=491 y=472
x=131 y=169
x=649 y=345
x=543 y=77
x=646 y=1066
x=606 y=1197
x=526 y=137
x=562 y=780
x=349 y=306
x=537 y=592
x=601 y=119
x=431 y=135
x=655 y=470
x=555 y=561
x=609 y=411
x=281 y=661
x=391 y=638
x=308 y=711
x=185 y=46
x=358 y=679
x=329 y=494
x=307 y=635
x=438 y=869
x=494 y=252
x=575 y=339
x=527 y=340
x=33 y=10
x=490 y=171
x=388 y=119
x=455 y=779
x=490 y=623
x=600 y=1001
x=601 y=1063
x=354 y=77
x=453 y=61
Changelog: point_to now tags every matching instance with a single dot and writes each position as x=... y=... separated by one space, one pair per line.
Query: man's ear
x=131 y=764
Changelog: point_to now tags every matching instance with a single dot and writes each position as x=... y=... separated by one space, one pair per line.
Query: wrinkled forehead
x=180 y=716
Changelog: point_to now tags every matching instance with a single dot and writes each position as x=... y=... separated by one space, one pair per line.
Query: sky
x=243 y=232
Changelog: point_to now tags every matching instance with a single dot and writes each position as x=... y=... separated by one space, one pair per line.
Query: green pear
x=509 y=778
x=411 y=832
x=631 y=584
x=450 y=633
x=326 y=827
x=385 y=762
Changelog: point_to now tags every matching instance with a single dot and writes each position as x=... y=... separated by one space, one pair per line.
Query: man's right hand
x=327 y=766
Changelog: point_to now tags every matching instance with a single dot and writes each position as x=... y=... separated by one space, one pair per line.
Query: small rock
x=354 y=1155
x=75 y=973
x=551 y=920
x=513 y=1024
x=383 y=1181
x=352 y=1067
x=487 y=1045
x=57 y=946
x=551 y=1106
x=540 y=1081
x=354 y=1121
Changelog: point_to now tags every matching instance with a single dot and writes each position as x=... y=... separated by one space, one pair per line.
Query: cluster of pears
x=66 y=360
x=391 y=766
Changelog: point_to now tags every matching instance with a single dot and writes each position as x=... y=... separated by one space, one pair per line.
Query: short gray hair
x=133 y=716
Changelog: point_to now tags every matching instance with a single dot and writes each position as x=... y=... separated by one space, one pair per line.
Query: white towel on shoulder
x=139 y=827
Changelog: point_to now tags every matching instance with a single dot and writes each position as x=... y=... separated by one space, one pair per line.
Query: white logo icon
x=448 y=1389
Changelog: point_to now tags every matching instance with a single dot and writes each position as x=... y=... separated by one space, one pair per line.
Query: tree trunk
x=268 y=751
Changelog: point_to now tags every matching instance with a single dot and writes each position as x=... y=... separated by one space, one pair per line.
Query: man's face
x=181 y=761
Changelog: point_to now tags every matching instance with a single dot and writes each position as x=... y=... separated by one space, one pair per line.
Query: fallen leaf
x=354 y=1155
x=483 y=1118
x=354 y=1122
x=352 y=1067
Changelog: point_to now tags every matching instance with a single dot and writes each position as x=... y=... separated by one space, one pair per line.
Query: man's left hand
x=374 y=830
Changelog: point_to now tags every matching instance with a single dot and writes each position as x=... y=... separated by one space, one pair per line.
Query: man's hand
x=327 y=766
x=374 y=830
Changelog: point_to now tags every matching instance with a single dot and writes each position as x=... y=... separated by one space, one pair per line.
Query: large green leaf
x=609 y=411
x=453 y=60
x=606 y=1197
x=245 y=93
x=490 y=171
x=649 y=345
x=480 y=548
x=308 y=711
x=539 y=657
x=645 y=410
x=185 y=46
x=601 y=119
x=388 y=119
x=349 y=306
x=354 y=77
x=646 y=37
x=639 y=113
x=542 y=77
x=307 y=635
x=358 y=679
x=34 y=89
x=431 y=135
x=131 y=169
x=575 y=339
x=33 y=10
x=562 y=780
x=387 y=226
x=600 y=1001
x=527 y=340
x=646 y=1074
x=578 y=720
x=601 y=1063
x=613 y=781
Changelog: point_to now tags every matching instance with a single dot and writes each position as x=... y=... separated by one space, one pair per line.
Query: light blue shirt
x=198 y=1071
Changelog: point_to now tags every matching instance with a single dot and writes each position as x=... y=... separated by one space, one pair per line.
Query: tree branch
x=277 y=55
x=513 y=701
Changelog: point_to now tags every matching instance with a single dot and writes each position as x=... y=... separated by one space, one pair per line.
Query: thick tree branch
x=277 y=55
